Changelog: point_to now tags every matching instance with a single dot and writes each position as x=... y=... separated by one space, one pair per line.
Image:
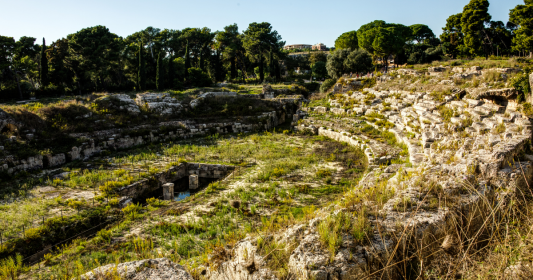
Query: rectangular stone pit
x=163 y=185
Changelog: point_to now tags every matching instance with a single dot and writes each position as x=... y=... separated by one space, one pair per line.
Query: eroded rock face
x=160 y=103
x=153 y=269
x=506 y=93
x=200 y=100
x=245 y=264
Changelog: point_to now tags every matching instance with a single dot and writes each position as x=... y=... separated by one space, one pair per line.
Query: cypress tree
x=187 y=60
x=261 y=67
x=159 y=73
x=44 y=66
x=171 y=73
x=271 y=64
x=142 y=73
x=233 y=69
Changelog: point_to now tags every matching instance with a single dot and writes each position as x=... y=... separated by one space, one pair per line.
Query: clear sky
x=298 y=22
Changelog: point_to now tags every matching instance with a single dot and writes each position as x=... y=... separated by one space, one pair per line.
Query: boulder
x=154 y=269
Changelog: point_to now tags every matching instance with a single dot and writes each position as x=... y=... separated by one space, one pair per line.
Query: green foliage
x=335 y=65
x=43 y=75
x=475 y=15
x=132 y=209
x=522 y=16
x=198 y=78
x=94 y=52
x=421 y=32
x=141 y=84
x=159 y=74
x=521 y=83
x=11 y=268
x=258 y=40
x=358 y=61
x=347 y=40
x=327 y=84
x=319 y=69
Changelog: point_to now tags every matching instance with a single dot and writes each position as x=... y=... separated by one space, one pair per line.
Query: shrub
x=326 y=85
x=10 y=268
x=105 y=235
x=132 y=209
x=321 y=173
x=154 y=202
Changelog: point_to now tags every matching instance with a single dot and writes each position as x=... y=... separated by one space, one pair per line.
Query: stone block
x=193 y=182
x=168 y=191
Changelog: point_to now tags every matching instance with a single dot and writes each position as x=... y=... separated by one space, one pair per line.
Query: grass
x=281 y=161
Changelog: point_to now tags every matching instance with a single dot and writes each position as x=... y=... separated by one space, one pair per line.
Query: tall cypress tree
x=261 y=66
x=44 y=66
x=187 y=60
x=159 y=73
x=271 y=64
x=233 y=68
x=142 y=72
x=171 y=73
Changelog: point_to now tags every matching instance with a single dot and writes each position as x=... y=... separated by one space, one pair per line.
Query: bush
x=326 y=85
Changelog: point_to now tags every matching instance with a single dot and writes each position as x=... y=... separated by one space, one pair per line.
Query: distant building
x=320 y=47
x=297 y=46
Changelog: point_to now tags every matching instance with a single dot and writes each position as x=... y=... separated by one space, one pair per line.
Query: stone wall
x=97 y=142
x=143 y=186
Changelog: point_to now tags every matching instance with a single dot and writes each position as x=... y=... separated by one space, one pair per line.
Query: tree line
x=95 y=59
x=469 y=34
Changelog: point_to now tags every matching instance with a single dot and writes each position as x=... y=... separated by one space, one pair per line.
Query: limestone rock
x=120 y=102
x=154 y=269
x=506 y=93
x=246 y=264
x=160 y=103
x=198 y=101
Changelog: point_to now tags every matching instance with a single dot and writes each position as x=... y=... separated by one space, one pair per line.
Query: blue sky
x=304 y=22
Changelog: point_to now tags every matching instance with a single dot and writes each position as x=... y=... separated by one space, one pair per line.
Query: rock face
x=506 y=93
x=198 y=101
x=121 y=102
x=246 y=264
x=160 y=103
x=153 y=269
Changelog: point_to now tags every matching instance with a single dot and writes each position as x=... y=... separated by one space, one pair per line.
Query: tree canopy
x=347 y=40
x=522 y=17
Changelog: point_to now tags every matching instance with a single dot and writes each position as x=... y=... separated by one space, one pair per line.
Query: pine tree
x=142 y=73
x=44 y=66
x=187 y=59
x=473 y=18
x=171 y=73
x=159 y=73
